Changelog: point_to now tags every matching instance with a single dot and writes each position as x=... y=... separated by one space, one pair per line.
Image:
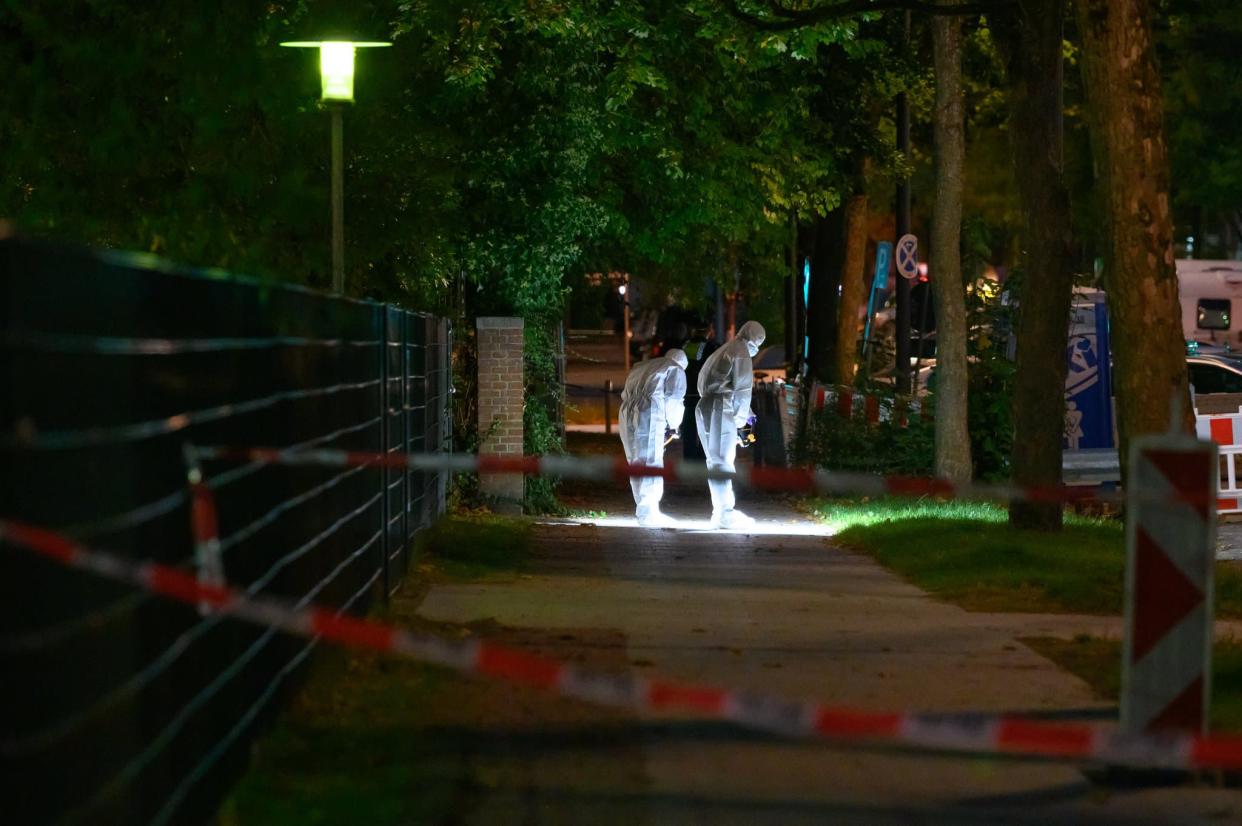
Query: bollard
x=608 y=406
x=1170 y=555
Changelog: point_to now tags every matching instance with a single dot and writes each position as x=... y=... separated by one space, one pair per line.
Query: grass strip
x=967 y=553
x=373 y=739
x=1097 y=662
x=474 y=547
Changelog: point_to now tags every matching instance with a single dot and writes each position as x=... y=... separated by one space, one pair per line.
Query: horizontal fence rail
x=142 y=711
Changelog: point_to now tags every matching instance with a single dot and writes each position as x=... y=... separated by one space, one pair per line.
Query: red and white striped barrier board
x=1226 y=431
x=605 y=468
x=1171 y=552
x=848 y=403
x=974 y=733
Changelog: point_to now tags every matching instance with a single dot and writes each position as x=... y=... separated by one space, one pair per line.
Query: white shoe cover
x=656 y=519
x=732 y=520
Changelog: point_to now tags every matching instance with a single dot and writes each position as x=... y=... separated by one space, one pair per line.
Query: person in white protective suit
x=724 y=387
x=652 y=404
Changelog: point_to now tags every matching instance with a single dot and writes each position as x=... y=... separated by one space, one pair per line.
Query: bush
x=886 y=448
x=990 y=411
x=854 y=445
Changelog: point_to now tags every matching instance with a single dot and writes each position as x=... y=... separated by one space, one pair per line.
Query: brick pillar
x=501 y=389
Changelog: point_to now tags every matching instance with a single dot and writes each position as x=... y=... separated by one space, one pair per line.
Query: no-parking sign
x=908 y=256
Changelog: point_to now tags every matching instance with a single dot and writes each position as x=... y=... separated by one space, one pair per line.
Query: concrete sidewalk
x=784 y=613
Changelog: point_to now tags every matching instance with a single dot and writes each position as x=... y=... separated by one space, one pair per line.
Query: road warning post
x=1170 y=553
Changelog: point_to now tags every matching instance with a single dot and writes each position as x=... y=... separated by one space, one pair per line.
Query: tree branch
x=785 y=18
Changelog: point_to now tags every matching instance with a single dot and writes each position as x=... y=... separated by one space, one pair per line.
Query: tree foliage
x=1198 y=42
x=502 y=148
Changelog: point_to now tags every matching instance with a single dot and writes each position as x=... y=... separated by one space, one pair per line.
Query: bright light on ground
x=762 y=527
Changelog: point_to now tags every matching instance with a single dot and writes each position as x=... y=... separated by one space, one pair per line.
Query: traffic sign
x=1170 y=557
x=908 y=256
x=883 y=260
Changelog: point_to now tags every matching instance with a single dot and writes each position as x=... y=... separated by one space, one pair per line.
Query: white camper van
x=1211 y=297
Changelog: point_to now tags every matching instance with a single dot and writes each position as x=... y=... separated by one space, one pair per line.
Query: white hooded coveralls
x=725 y=384
x=653 y=400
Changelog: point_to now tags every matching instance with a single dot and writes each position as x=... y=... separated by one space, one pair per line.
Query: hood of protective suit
x=753 y=334
x=729 y=370
x=678 y=357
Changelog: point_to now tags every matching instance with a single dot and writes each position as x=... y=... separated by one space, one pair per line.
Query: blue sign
x=806 y=303
x=883 y=259
x=1088 y=381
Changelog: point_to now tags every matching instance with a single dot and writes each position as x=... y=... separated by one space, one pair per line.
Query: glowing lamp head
x=336 y=65
x=336 y=68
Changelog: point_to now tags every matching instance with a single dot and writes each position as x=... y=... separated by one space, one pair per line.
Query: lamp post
x=336 y=70
x=624 y=289
x=901 y=290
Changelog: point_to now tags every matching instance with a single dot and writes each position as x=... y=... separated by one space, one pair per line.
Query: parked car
x=769 y=364
x=1214 y=373
x=1211 y=298
x=1212 y=370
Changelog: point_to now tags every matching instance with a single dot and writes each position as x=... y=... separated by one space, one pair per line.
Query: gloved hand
x=751 y=419
x=670 y=434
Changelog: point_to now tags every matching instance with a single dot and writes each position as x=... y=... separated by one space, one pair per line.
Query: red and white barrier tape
x=605 y=468
x=982 y=734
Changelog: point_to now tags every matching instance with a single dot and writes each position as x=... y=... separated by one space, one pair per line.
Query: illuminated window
x=1214 y=314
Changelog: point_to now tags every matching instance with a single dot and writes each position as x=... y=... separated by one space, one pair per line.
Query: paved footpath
x=783 y=611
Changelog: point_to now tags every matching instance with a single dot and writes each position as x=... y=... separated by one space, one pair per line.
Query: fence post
x=608 y=405
x=444 y=409
x=561 y=362
x=431 y=481
x=385 y=551
x=403 y=416
x=1170 y=555
x=418 y=417
x=407 y=323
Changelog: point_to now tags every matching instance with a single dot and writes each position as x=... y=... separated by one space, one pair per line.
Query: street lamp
x=336 y=70
x=624 y=289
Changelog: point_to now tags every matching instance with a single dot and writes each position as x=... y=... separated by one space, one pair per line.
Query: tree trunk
x=1127 y=138
x=822 y=309
x=731 y=295
x=792 y=343
x=952 y=436
x=1030 y=38
x=853 y=279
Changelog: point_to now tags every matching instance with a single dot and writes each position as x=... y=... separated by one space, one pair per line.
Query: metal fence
x=121 y=708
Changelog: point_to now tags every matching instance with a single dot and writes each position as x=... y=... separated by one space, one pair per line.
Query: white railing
x=1229 y=499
